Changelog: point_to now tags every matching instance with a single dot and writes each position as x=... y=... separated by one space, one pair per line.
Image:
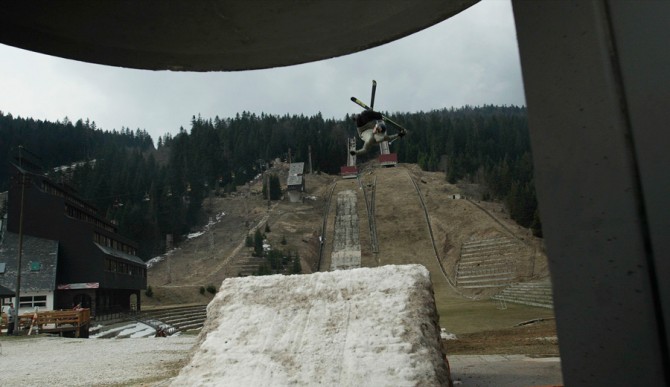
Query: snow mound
x=368 y=326
x=444 y=335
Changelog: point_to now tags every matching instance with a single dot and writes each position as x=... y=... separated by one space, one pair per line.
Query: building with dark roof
x=5 y=293
x=70 y=253
x=295 y=182
x=39 y=262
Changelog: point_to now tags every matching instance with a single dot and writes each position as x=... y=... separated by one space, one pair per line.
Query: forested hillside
x=59 y=143
x=151 y=191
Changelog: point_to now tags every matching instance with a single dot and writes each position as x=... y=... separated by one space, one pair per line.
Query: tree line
x=151 y=191
x=60 y=143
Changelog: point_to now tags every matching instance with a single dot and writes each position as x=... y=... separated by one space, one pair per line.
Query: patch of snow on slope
x=194 y=235
x=376 y=327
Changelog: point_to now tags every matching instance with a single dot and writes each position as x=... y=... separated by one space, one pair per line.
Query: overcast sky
x=469 y=59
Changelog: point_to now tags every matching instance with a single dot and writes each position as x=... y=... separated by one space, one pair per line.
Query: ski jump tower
x=350 y=171
x=386 y=158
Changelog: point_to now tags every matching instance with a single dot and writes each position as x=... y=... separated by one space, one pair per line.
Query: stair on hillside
x=171 y=321
x=247 y=265
x=175 y=320
x=487 y=263
x=483 y=246
x=532 y=293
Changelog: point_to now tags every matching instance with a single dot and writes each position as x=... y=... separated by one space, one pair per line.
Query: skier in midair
x=372 y=130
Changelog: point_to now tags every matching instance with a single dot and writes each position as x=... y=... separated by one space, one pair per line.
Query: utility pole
x=17 y=294
x=309 y=154
x=267 y=190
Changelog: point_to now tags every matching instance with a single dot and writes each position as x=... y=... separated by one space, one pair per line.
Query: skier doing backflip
x=372 y=130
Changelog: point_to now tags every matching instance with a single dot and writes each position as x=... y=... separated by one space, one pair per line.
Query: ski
x=372 y=99
x=366 y=107
x=361 y=103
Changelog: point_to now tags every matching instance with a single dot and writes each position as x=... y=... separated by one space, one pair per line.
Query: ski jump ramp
x=366 y=326
x=346 y=245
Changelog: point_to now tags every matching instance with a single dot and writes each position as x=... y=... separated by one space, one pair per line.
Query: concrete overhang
x=215 y=35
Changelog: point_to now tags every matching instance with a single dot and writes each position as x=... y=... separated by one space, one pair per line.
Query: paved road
x=505 y=370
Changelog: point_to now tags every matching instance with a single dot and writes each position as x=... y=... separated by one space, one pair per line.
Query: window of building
x=33 y=301
x=35 y=266
x=2 y=268
x=121 y=267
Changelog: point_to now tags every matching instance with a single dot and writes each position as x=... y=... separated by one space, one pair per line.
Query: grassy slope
x=402 y=234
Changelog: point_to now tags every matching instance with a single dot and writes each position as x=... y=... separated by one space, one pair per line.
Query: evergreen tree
x=258 y=243
x=263 y=269
x=536 y=226
x=275 y=188
x=274 y=258
x=295 y=265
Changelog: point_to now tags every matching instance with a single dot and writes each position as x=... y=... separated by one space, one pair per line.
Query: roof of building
x=294 y=180
x=6 y=292
x=39 y=260
x=120 y=254
x=296 y=169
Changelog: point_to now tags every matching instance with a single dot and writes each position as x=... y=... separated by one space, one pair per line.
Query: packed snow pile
x=368 y=326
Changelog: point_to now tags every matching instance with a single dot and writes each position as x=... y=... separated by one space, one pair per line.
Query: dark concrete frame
x=597 y=82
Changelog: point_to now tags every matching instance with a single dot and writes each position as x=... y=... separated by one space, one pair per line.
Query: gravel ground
x=51 y=361
x=55 y=361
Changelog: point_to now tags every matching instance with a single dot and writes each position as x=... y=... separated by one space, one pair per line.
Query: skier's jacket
x=367 y=116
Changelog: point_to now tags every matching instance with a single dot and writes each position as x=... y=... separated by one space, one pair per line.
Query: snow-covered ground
x=375 y=327
x=132 y=330
x=212 y=221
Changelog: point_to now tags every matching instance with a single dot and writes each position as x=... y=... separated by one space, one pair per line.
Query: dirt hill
x=403 y=236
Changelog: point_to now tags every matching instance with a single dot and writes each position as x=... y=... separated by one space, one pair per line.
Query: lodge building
x=70 y=253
